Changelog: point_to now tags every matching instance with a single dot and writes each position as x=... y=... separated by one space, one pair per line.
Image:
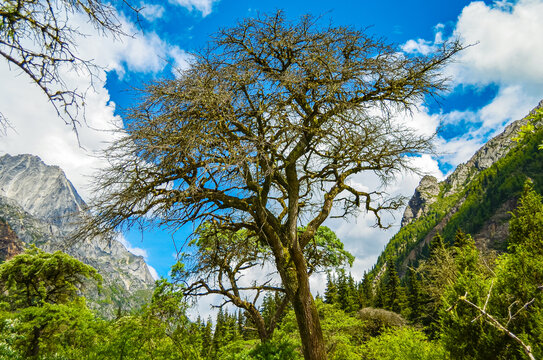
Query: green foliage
x=343 y=333
x=403 y=343
x=502 y=181
x=409 y=236
x=526 y=225
x=43 y=307
x=275 y=350
x=510 y=293
x=393 y=292
x=326 y=251
x=35 y=278
x=529 y=127
x=518 y=299
x=415 y=295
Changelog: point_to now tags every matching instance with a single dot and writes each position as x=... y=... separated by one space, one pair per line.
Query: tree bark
x=296 y=282
x=309 y=325
x=34 y=345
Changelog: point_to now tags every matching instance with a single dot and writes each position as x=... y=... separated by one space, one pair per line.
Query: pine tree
x=207 y=339
x=461 y=239
x=415 y=297
x=366 y=291
x=393 y=291
x=331 y=291
x=346 y=292
x=436 y=244
x=526 y=224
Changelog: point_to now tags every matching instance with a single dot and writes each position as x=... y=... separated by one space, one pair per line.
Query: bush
x=404 y=343
x=378 y=320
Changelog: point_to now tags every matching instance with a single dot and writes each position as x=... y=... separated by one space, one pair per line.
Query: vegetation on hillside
x=481 y=197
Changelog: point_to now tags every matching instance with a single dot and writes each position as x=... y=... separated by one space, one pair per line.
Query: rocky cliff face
x=425 y=195
x=42 y=207
x=10 y=245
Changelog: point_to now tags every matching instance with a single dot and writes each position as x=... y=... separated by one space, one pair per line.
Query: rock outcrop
x=42 y=207
x=10 y=245
x=425 y=195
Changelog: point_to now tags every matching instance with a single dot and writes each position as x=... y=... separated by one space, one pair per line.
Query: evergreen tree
x=207 y=339
x=394 y=294
x=331 y=291
x=366 y=291
x=415 y=296
x=526 y=224
x=42 y=293
x=346 y=292
x=461 y=239
x=518 y=299
x=437 y=243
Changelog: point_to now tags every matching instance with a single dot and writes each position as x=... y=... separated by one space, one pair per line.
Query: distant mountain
x=476 y=198
x=39 y=205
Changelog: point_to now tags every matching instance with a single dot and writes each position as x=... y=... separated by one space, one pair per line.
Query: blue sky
x=497 y=80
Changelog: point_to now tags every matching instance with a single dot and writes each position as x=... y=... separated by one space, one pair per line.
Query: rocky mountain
x=39 y=205
x=476 y=198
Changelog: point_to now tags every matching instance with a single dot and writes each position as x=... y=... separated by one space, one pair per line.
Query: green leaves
x=35 y=278
x=529 y=128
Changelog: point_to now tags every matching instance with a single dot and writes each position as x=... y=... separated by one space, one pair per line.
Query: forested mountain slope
x=476 y=198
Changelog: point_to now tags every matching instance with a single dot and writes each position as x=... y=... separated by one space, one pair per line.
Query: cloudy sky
x=496 y=80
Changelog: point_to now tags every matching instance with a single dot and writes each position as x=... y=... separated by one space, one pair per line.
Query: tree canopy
x=264 y=132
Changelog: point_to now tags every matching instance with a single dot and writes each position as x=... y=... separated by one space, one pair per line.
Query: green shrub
x=404 y=343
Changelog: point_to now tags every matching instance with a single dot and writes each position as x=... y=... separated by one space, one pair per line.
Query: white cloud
x=419 y=46
x=203 y=6
x=151 y=12
x=508 y=48
x=181 y=59
x=506 y=52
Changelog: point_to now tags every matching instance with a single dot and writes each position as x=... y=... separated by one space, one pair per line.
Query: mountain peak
x=42 y=190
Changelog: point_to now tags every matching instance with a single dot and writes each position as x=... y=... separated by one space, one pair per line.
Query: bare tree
x=264 y=132
x=37 y=38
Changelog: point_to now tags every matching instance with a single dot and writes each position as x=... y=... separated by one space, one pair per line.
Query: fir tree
x=415 y=297
x=393 y=291
x=331 y=291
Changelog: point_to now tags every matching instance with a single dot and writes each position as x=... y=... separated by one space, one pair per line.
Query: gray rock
x=425 y=195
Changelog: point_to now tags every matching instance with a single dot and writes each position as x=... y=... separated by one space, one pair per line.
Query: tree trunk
x=296 y=282
x=34 y=344
x=309 y=325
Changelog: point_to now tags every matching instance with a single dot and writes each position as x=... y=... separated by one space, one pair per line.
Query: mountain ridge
x=476 y=197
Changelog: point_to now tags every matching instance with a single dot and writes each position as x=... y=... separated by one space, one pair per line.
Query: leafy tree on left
x=39 y=297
